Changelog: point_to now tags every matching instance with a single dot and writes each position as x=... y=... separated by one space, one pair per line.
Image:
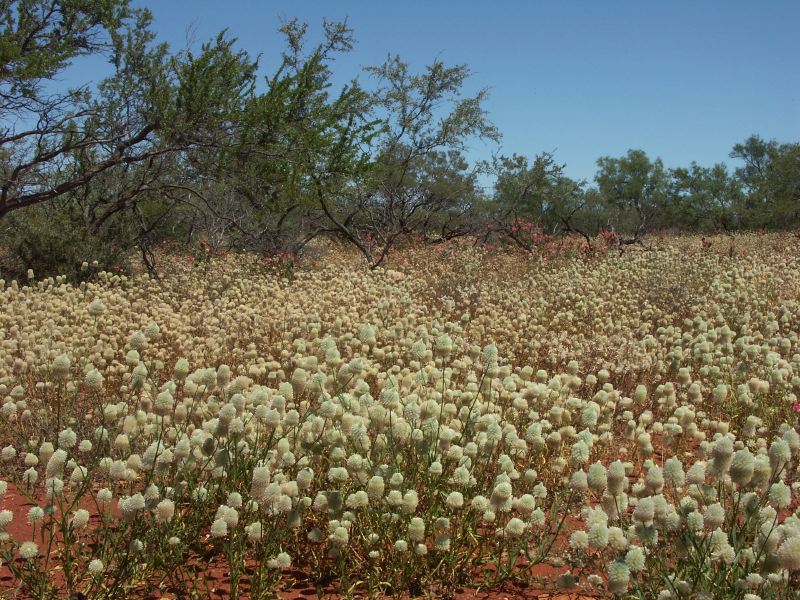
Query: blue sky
x=682 y=80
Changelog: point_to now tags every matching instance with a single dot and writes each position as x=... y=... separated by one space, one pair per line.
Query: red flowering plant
x=526 y=235
x=609 y=237
x=283 y=263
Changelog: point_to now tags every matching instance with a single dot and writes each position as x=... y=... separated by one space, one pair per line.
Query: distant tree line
x=204 y=145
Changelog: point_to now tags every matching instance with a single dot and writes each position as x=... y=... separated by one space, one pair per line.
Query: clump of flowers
x=626 y=420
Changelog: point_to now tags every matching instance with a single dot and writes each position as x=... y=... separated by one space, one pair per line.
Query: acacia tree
x=536 y=194
x=704 y=198
x=771 y=178
x=95 y=155
x=636 y=189
x=193 y=98
x=294 y=141
x=418 y=182
x=42 y=128
x=152 y=105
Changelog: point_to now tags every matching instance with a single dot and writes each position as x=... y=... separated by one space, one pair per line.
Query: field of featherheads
x=466 y=421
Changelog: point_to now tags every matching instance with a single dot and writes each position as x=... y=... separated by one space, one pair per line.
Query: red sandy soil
x=18 y=505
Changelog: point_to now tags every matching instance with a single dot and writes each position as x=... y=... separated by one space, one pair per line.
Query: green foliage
x=39 y=39
x=43 y=130
x=705 y=198
x=184 y=145
x=538 y=193
x=635 y=188
x=292 y=142
x=114 y=160
x=419 y=184
x=771 y=178
x=52 y=239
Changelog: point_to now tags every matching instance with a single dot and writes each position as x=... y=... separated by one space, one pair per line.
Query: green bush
x=52 y=239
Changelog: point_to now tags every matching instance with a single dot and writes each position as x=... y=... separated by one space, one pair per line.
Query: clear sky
x=682 y=80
